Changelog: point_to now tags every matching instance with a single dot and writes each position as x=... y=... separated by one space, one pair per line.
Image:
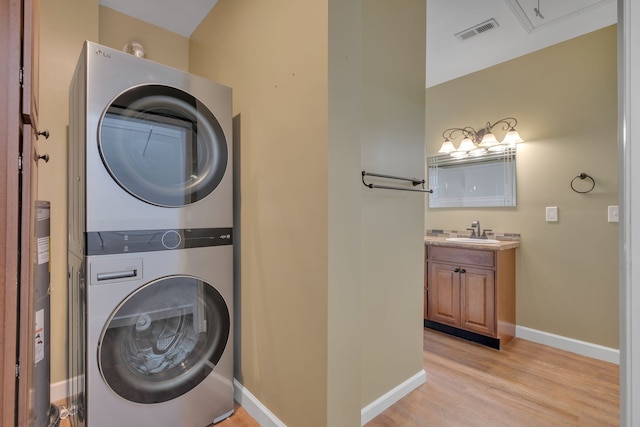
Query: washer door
x=162 y=145
x=164 y=339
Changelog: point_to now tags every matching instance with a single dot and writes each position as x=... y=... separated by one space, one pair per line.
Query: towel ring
x=583 y=176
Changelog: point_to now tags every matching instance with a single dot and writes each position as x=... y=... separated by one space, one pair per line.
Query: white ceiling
x=519 y=29
x=179 y=16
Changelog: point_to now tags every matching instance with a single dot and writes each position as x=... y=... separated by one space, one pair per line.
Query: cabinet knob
x=462 y=270
x=44 y=133
x=456 y=270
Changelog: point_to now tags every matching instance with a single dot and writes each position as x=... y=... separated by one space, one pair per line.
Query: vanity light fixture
x=479 y=142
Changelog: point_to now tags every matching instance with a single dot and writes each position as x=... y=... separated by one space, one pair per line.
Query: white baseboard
x=583 y=348
x=58 y=391
x=254 y=407
x=379 y=405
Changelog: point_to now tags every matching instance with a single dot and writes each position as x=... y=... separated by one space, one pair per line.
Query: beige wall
x=564 y=98
x=274 y=56
x=393 y=71
x=329 y=305
x=160 y=45
x=345 y=286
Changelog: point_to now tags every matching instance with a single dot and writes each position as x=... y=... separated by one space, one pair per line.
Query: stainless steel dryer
x=150 y=258
x=157 y=144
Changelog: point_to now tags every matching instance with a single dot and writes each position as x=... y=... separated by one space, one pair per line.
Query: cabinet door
x=477 y=300
x=426 y=290
x=426 y=282
x=444 y=294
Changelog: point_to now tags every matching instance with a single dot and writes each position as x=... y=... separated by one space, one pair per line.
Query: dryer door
x=164 y=339
x=162 y=145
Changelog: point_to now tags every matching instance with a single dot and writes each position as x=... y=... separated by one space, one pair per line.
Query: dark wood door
x=18 y=166
x=10 y=122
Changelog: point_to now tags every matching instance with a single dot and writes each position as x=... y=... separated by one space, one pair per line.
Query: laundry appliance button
x=171 y=239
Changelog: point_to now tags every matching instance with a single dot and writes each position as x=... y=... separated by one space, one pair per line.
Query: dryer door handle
x=117 y=275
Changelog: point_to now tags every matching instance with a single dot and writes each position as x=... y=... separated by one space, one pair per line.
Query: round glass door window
x=162 y=145
x=164 y=339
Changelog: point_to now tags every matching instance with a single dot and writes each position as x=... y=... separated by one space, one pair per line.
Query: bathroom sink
x=470 y=240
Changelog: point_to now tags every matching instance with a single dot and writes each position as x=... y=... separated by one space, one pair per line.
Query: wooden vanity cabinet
x=471 y=293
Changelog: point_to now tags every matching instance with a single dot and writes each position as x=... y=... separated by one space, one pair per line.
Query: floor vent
x=482 y=27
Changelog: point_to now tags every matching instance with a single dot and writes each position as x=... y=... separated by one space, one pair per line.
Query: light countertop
x=500 y=246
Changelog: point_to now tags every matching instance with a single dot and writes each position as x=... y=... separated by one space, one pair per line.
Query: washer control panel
x=134 y=241
x=171 y=239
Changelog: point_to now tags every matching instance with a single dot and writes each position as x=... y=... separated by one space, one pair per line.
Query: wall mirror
x=484 y=181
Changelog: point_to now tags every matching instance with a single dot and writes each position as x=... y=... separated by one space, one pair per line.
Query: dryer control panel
x=133 y=241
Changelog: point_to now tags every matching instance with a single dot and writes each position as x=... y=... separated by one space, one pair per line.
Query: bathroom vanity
x=470 y=289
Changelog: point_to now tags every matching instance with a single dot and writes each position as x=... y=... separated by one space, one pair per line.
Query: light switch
x=612 y=213
x=552 y=214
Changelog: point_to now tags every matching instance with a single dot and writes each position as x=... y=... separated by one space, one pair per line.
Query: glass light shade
x=446 y=147
x=458 y=154
x=467 y=145
x=497 y=148
x=512 y=137
x=477 y=152
x=488 y=140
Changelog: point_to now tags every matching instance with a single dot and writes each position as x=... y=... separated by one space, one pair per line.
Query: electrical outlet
x=612 y=213
x=552 y=214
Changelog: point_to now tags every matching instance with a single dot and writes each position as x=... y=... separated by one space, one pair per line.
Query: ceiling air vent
x=482 y=27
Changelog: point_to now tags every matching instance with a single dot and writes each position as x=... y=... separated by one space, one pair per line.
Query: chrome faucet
x=476 y=231
x=476 y=224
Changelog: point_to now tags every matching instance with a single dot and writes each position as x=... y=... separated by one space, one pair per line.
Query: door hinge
x=17 y=370
x=20 y=163
x=21 y=76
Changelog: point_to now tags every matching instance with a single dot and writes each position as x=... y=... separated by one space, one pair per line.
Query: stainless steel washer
x=159 y=341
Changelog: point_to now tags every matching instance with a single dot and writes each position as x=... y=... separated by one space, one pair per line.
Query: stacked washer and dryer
x=150 y=244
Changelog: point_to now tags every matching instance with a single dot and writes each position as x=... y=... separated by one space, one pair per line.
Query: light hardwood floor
x=523 y=385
